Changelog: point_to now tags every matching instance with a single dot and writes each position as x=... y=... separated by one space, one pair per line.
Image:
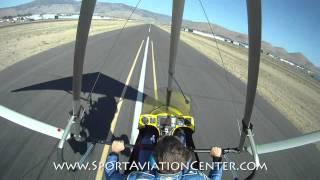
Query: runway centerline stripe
x=115 y=119
x=139 y=101
x=154 y=74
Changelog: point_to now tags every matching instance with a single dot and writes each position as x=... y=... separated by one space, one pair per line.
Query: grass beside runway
x=20 y=42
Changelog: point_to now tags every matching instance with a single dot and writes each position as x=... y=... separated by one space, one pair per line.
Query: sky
x=291 y=24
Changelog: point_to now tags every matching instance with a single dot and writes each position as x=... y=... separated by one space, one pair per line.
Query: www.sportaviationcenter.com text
x=122 y=166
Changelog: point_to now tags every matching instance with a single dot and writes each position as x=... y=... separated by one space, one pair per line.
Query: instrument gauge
x=145 y=120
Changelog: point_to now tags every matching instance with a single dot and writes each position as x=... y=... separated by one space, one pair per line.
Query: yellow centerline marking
x=154 y=74
x=115 y=119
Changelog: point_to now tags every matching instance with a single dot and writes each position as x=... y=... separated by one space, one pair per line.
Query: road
x=40 y=87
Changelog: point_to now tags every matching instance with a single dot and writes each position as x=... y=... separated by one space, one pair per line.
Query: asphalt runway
x=40 y=87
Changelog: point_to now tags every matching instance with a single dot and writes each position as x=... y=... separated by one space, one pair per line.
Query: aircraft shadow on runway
x=100 y=112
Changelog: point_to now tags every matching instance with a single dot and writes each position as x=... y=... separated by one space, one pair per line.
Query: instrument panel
x=166 y=123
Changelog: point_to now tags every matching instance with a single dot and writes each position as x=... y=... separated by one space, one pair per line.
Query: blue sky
x=292 y=24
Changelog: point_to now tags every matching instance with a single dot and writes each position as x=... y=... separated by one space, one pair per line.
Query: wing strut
x=254 y=23
x=254 y=32
x=84 y=23
x=73 y=126
x=177 y=14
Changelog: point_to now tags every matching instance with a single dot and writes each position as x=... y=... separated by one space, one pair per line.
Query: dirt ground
x=22 y=41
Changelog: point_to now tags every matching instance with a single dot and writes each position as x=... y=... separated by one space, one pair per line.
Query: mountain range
x=120 y=10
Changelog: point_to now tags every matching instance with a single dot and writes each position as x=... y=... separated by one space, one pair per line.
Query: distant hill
x=71 y=7
x=123 y=11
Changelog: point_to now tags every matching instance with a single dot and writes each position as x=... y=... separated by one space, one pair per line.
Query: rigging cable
x=183 y=94
x=220 y=55
x=113 y=45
